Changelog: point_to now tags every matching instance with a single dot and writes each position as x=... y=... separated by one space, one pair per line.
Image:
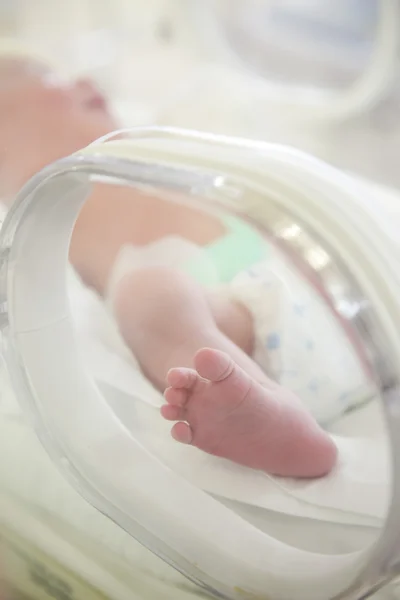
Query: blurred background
x=322 y=75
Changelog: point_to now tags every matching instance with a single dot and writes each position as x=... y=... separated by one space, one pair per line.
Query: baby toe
x=172 y=413
x=214 y=365
x=181 y=432
x=182 y=378
x=176 y=396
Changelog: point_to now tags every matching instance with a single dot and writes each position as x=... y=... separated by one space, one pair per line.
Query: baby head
x=44 y=117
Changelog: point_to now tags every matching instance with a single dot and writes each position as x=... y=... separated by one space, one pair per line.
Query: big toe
x=213 y=365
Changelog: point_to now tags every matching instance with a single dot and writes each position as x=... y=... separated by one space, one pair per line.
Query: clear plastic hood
x=214 y=521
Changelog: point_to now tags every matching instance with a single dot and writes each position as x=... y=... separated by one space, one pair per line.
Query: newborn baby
x=200 y=345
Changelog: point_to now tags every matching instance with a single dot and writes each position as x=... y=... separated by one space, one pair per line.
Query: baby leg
x=226 y=406
x=165 y=318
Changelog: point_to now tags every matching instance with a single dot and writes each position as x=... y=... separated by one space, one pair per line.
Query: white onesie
x=299 y=343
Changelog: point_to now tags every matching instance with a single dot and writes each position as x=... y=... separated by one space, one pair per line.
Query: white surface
x=215 y=539
x=26 y=471
x=356 y=492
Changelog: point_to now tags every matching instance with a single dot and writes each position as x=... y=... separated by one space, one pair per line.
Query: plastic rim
x=37 y=232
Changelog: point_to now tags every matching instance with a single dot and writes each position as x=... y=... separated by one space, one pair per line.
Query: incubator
x=97 y=500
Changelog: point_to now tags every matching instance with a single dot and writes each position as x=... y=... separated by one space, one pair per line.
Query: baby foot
x=224 y=412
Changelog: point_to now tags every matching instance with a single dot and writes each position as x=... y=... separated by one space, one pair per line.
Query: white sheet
x=314 y=516
x=356 y=492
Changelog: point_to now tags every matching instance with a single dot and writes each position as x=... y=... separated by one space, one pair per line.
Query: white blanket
x=356 y=492
x=340 y=513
